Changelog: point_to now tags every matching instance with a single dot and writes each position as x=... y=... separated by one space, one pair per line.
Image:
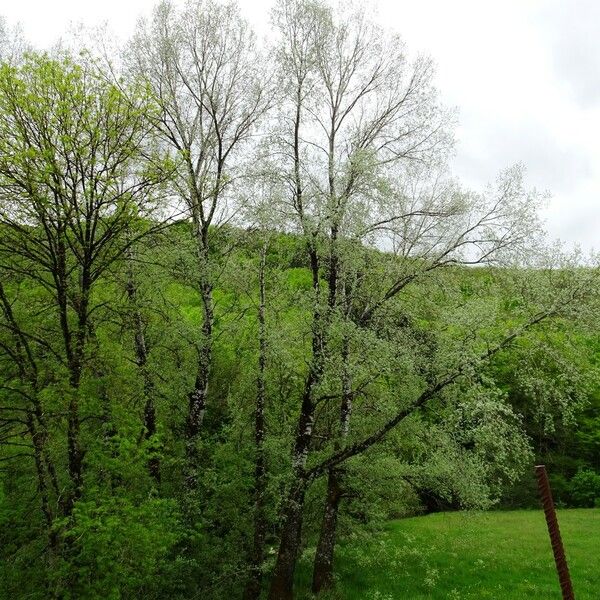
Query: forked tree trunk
x=289 y=544
x=282 y=581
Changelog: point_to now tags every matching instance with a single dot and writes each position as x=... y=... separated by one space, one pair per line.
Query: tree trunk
x=75 y=363
x=197 y=400
x=150 y=431
x=196 y=409
x=282 y=582
x=253 y=585
x=75 y=347
x=289 y=544
x=323 y=565
x=75 y=462
x=42 y=487
x=141 y=352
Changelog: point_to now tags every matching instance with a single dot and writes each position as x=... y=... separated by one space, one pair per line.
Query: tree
x=364 y=332
x=352 y=107
x=361 y=143
x=141 y=354
x=75 y=170
x=202 y=67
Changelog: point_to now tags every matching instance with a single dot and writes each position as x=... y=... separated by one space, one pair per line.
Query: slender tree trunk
x=42 y=433
x=76 y=365
x=112 y=479
x=283 y=573
x=324 y=556
x=197 y=404
x=323 y=563
x=253 y=585
x=141 y=353
x=150 y=431
x=74 y=344
x=41 y=477
x=39 y=434
x=74 y=452
x=197 y=398
x=289 y=544
x=36 y=421
x=74 y=449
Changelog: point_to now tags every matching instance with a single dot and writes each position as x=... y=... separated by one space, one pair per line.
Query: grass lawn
x=501 y=555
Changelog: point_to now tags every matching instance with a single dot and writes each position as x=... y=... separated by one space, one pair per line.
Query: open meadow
x=459 y=555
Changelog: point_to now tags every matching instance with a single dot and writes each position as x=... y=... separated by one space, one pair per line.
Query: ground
x=500 y=555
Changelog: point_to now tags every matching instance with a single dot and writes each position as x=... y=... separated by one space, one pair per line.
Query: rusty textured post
x=555 y=539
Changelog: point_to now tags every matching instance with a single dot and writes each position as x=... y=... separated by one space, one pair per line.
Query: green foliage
x=585 y=489
x=117 y=549
x=101 y=317
x=126 y=537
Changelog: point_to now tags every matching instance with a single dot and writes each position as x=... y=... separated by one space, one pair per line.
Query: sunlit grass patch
x=500 y=555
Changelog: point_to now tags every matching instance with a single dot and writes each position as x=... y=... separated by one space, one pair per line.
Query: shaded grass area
x=501 y=555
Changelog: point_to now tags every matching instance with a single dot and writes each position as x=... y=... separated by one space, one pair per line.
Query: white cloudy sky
x=524 y=74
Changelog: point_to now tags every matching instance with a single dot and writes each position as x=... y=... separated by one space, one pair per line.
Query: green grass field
x=503 y=555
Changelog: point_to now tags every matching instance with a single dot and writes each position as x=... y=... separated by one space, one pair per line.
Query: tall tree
x=253 y=586
x=141 y=356
x=352 y=105
x=361 y=143
x=72 y=177
x=204 y=70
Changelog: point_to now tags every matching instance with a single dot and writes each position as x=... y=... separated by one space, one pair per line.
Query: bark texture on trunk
x=290 y=541
x=41 y=477
x=323 y=565
x=196 y=410
x=198 y=397
x=282 y=582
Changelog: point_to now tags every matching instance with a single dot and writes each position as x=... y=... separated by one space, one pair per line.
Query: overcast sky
x=524 y=75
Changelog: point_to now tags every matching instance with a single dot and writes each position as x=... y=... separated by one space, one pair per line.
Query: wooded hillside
x=245 y=308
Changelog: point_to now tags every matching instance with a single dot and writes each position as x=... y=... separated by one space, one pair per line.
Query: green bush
x=585 y=489
x=115 y=549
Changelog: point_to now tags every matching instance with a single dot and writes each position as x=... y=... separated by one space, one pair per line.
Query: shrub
x=585 y=488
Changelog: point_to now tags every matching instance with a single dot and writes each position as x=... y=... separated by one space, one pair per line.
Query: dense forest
x=247 y=312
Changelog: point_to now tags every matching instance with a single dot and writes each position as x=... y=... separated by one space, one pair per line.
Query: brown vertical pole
x=555 y=539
